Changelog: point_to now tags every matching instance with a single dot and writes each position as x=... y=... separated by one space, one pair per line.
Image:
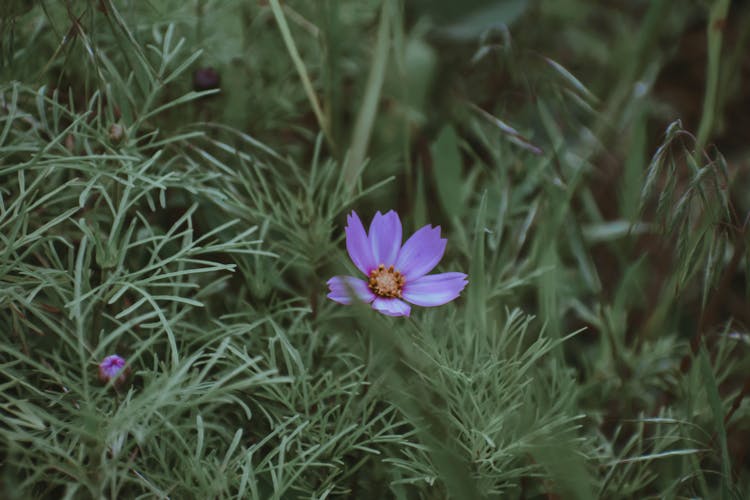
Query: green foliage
x=599 y=350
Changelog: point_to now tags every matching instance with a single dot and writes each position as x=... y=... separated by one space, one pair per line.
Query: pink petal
x=346 y=289
x=435 y=289
x=385 y=237
x=421 y=253
x=391 y=307
x=358 y=245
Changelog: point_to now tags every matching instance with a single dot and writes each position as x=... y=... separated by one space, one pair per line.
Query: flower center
x=386 y=282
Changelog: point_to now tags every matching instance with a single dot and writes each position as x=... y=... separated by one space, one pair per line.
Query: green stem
x=355 y=158
x=299 y=64
x=716 y=22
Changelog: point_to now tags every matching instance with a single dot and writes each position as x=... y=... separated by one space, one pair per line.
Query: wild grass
x=600 y=349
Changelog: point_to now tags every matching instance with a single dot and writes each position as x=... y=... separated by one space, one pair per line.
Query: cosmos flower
x=396 y=274
x=113 y=366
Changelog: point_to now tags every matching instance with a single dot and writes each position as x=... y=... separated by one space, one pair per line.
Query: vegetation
x=174 y=183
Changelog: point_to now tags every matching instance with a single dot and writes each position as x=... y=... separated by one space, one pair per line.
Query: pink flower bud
x=113 y=367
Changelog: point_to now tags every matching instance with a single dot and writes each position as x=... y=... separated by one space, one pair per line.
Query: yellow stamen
x=386 y=282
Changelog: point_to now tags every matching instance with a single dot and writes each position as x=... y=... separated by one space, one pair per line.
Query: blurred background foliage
x=174 y=179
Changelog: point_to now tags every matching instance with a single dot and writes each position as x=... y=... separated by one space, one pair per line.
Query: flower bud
x=113 y=367
x=116 y=133
x=206 y=79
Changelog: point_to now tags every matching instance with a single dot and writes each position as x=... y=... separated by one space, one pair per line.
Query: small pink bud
x=113 y=366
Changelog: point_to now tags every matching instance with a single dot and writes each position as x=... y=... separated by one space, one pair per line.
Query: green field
x=185 y=184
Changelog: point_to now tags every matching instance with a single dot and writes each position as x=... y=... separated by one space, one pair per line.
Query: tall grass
x=600 y=349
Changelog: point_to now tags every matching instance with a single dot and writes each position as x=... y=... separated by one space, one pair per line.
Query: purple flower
x=395 y=272
x=113 y=366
